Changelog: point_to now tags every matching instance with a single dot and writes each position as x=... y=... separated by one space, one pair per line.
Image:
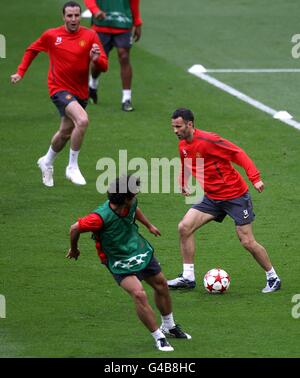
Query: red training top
x=93 y=223
x=134 y=6
x=69 y=55
x=221 y=180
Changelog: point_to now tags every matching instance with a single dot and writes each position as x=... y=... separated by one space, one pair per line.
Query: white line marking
x=281 y=115
x=253 y=70
x=2 y=306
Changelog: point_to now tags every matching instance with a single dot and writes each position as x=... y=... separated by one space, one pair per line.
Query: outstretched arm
x=28 y=57
x=41 y=44
x=227 y=150
x=141 y=218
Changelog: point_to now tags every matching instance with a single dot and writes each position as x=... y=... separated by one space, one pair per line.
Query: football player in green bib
x=129 y=256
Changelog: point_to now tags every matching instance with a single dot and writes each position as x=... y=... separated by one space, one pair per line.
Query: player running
x=71 y=48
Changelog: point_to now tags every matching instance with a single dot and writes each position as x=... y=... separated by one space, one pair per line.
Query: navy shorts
x=239 y=209
x=63 y=98
x=109 y=40
x=152 y=269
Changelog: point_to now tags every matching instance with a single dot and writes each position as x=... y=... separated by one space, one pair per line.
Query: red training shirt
x=221 y=180
x=69 y=55
x=93 y=223
x=135 y=11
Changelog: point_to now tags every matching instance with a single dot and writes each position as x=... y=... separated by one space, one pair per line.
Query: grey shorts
x=239 y=209
x=63 y=98
x=110 y=40
x=152 y=269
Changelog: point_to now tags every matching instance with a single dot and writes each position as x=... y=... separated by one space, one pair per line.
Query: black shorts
x=152 y=269
x=63 y=98
x=110 y=40
x=239 y=209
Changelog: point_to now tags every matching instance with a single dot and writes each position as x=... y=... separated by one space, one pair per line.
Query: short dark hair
x=70 y=4
x=123 y=188
x=185 y=114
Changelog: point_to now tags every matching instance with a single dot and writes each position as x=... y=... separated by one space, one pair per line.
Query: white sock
x=188 y=272
x=168 y=321
x=158 y=334
x=271 y=274
x=73 y=158
x=50 y=156
x=126 y=95
x=93 y=83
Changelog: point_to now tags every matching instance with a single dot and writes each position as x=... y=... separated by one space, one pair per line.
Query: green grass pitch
x=61 y=308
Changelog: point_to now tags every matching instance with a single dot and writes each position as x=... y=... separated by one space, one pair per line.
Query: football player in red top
x=71 y=49
x=225 y=193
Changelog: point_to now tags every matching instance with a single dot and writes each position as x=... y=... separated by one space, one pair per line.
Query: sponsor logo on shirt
x=58 y=41
x=82 y=43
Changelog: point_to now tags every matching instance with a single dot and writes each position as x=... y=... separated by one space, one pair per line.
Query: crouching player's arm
x=74 y=237
x=141 y=218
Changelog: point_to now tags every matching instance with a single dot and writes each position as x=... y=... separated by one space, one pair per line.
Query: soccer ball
x=216 y=281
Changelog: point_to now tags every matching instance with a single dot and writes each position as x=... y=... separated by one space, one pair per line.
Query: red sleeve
x=31 y=52
x=92 y=6
x=92 y=222
x=135 y=10
x=226 y=150
x=102 y=62
x=242 y=159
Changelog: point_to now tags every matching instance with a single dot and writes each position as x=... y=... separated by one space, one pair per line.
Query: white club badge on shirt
x=58 y=41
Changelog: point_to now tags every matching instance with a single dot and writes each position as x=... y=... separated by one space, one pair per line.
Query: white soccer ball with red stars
x=216 y=281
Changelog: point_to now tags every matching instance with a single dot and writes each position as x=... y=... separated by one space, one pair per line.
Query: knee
x=162 y=286
x=124 y=58
x=184 y=230
x=82 y=122
x=139 y=296
x=248 y=243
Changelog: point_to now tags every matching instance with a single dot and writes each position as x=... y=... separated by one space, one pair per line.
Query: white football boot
x=176 y=332
x=163 y=345
x=47 y=172
x=74 y=175
x=273 y=284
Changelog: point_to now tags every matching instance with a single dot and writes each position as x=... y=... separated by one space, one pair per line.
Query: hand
x=95 y=52
x=137 y=32
x=259 y=186
x=73 y=254
x=100 y=15
x=15 y=78
x=185 y=191
x=154 y=230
